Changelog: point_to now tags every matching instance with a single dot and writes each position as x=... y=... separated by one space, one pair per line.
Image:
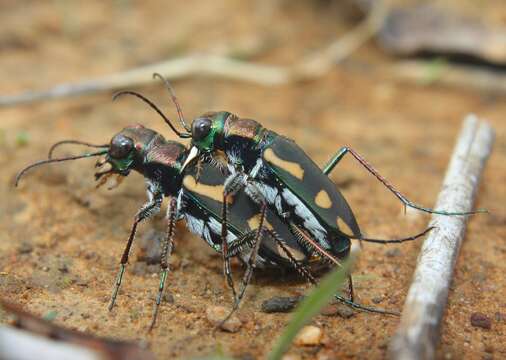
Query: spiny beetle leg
x=224 y=248
x=167 y=246
x=350 y=288
x=394 y=241
x=301 y=269
x=322 y=252
x=232 y=185
x=344 y=150
x=313 y=244
x=357 y=306
x=145 y=212
x=124 y=261
x=250 y=265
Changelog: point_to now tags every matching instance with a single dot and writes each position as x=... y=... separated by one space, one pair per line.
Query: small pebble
x=489 y=348
x=500 y=317
x=345 y=312
x=383 y=344
x=185 y=262
x=81 y=282
x=291 y=357
x=330 y=310
x=25 y=248
x=481 y=320
x=377 y=299
x=85 y=315
x=279 y=304
x=216 y=314
x=91 y=255
x=393 y=252
x=326 y=354
x=309 y=336
x=168 y=297
x=337 y=309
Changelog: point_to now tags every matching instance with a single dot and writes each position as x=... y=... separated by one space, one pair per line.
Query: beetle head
x=126 y=151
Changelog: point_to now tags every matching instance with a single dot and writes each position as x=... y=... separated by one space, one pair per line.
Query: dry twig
x=418 y=333
x=314 y=66
x=36 y=338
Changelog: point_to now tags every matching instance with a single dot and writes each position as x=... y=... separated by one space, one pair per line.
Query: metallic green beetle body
x=259 y=239
x=290 y=182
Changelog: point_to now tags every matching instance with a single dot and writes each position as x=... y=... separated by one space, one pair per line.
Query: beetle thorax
x=241 y=141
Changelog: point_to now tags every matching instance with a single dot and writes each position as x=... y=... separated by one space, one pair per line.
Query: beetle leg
x=393 y=241
x=224 y=248
x=322 y=252
x=250 y=265
x=232 y=184
x=149 y=209
x=406 y=202
x=350 y=288
x=300 y=268
x=313 y=244
x=308 y=276
x=167 y=246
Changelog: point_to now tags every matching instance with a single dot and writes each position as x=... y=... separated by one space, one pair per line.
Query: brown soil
x=61 y=240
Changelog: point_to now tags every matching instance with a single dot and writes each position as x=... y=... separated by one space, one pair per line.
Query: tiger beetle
x=273 y=169
x=256 y=235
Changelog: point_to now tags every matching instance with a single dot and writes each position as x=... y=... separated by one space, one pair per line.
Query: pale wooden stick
x=207 y=65
x=22 y=345
x=222 y=66
x=418 y=333
x=36 y=338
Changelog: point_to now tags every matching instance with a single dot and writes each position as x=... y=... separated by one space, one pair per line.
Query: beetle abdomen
x=204 y=214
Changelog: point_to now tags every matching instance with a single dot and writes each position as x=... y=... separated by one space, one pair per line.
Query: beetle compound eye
x=121 y=146
x=201 y=128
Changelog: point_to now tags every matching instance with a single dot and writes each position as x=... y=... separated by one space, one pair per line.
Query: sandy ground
x=61 y=240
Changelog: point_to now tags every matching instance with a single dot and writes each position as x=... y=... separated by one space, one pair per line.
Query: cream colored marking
x=254 y=222
x=297 y=255
x=214 y=192
x=343 y=226
x=322 y=199
x=292 y=168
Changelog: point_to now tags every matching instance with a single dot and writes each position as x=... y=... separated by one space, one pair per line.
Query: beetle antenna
x=154 y=107
x=50 y=161
x=75 y=142
x=174 y=100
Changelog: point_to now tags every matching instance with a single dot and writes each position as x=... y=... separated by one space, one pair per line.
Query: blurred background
x=392 y=79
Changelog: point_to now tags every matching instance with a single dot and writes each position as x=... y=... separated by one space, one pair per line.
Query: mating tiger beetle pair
x=247 y=191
